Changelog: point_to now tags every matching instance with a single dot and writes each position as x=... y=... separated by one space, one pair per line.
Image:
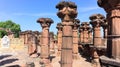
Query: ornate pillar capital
x=76 y=24
x=45 y=22
x=59 y=27
x=96 y=20
x=85 y=26
x=67 y=11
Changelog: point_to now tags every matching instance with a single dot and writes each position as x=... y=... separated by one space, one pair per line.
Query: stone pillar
x=112 y=9
x=32 y=45
x=29 y=42
x=81 y=34
x=96 y=21
x=25 y=38
x=104 y=26
x=45 y=51
x=67 y=13
x=75 y=39
x=90 y=36
x=59 y=34
x=85 y=31
x=51 y=35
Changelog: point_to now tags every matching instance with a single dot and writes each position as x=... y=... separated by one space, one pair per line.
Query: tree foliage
x=15 y=28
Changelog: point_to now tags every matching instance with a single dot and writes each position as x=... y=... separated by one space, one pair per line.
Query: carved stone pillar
x=51 y=35
x=25 y=38
x=112 y=8
x=104 y=26
x=85 y=33
x=81 y=34
x=90 y=36
x=59 y=34
x=45 y=53
x=96 y=21
x=29 y=37
x=32 y=45
x=67 y=12
x=75 y=39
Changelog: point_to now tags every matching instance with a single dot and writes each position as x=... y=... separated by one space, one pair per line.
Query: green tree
x=15 y=28
x=2 y=33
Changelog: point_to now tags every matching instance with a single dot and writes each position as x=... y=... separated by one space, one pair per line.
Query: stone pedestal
x=45 y=51
x=59 y=34
x=112 y=9
x=67 y=13
x=75 y=39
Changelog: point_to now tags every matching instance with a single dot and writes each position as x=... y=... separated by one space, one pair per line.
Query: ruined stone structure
x=45 y=54
x=112 y=9
x=59 y=34
x=75 y=39
x=67 y=12
x=22 y=35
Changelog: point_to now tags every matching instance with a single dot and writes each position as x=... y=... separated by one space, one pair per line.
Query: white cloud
x=86 y=9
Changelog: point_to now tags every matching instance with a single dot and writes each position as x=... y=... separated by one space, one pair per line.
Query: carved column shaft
x=59 y=27
x=90 y=35
x=45 y=43
x=97 y=36
x=75 y=39
x=115 y=32
x=85 y=36
x=81 y=34
x=67 y=42
x=113 y=18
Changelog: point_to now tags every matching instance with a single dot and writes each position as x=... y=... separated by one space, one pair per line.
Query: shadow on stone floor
x=85 y=55
x=8 y=61
x=4 y=56
x=13 y=66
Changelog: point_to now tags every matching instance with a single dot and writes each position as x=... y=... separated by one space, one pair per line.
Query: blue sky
x=26 y=12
